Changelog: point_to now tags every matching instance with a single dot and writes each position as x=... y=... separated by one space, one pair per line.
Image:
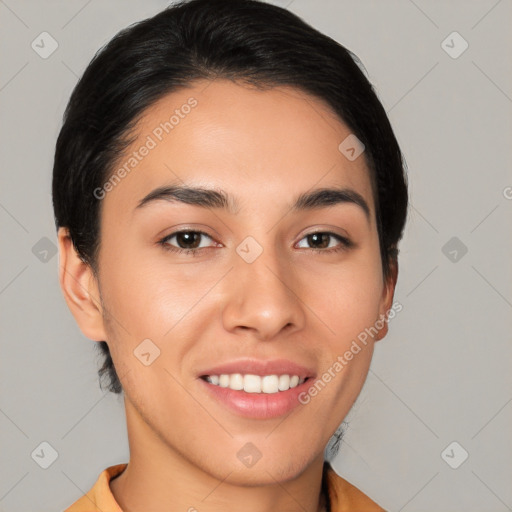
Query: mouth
x=257 y=389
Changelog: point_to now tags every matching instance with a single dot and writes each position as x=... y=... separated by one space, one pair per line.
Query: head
x=289 y=238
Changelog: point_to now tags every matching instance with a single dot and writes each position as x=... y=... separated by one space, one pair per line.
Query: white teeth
x=252 y=383
x=269 y=384
x=255 y=383
x=236 y=381
x=224 y=381
x=284 y=382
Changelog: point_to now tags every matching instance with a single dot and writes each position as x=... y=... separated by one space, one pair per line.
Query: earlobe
x=387 y=298
x=80 y=289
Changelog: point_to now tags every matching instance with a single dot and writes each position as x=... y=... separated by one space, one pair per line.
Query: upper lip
x=260 y=367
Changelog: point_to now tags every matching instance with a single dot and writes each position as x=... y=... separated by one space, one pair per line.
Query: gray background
x=442 y=374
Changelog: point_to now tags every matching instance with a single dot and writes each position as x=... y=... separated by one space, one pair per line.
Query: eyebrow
x=219 y=199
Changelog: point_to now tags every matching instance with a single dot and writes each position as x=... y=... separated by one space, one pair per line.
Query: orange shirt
x=344 y=497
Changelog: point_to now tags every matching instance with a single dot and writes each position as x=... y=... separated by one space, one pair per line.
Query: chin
x=264 y=472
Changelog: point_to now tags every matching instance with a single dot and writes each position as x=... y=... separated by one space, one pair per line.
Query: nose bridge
x=261 y=294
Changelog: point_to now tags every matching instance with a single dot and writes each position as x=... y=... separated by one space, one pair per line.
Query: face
x=259 y=284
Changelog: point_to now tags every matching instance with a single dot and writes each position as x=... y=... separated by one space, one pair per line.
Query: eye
x=326 y=241
x=188 y=242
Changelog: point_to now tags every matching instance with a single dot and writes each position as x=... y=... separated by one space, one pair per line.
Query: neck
x=159 y=478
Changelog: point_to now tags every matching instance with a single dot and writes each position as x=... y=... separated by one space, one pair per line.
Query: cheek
x=349 y=308
x=147 y=297
x=352 y=308
x=348 y=299
x=157 y=303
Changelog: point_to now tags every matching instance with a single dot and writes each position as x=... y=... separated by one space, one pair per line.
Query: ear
x=388 y=293
x=80 y=289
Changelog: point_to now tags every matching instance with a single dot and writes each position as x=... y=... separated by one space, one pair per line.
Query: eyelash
x=344 y=245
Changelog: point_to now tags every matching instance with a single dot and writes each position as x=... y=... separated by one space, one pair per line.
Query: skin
x=293 y=302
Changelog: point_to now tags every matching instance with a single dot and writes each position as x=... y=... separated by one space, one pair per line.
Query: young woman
x=229 y=196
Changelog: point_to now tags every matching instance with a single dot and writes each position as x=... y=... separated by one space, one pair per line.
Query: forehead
x=272 y=144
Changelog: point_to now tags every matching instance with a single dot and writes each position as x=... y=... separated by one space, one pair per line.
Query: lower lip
x=258 y=405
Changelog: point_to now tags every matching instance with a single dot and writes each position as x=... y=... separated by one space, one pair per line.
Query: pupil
x=315 y=237
x=187 y=238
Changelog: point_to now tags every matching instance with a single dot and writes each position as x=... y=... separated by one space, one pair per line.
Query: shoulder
x=99 y=498
x=345 y=497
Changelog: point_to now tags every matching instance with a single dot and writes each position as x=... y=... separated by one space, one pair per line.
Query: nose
x=262 y=298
